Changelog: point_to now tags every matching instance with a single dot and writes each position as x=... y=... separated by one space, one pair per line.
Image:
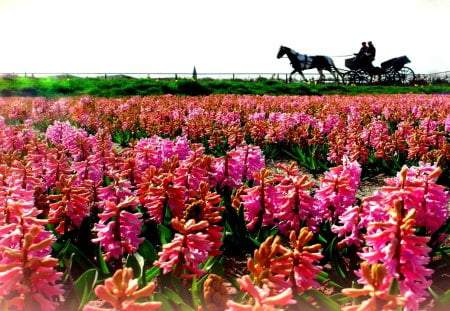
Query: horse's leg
x=321 y=75
x=338 y=74
x=290 y=76
x=334 y=76
x=303 y=76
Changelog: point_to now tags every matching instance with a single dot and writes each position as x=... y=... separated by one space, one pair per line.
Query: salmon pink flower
x=158 y=190
x=55 y=165
x=262 y=297
x=376 y=288
x=71 y=206
x=306 y=260
x=122 y=293
x=28 y=277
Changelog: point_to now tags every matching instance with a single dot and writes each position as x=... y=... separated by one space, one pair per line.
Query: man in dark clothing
x=370 y=52
x=362 y=51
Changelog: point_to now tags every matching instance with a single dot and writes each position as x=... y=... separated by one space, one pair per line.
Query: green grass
x=100 y=87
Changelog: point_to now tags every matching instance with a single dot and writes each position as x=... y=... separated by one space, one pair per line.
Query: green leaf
x=196 y=290
x=324 y=278
x=394 y=287
x=103 y=266
x=165 y=301
x=165 y=235
x=442 y=298
x=180 y=301
x=136 y=262
x=445 y=298
x=325 y=302
x=336 y=259
x=148 y=251
x=152 y=273
x=76 y=255
x=84 y=286
x=322 y=239
x=255 y=241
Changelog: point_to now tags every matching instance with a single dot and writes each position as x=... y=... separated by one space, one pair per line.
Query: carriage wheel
x=364 y=77
x=391 y=78
x=356 y=77
x=407 y=76
x=349 y=77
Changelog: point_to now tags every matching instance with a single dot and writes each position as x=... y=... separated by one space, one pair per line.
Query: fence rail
x=437 y=77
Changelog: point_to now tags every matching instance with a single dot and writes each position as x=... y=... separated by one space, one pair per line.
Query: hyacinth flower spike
x=376 y=288
x=404 y=254
x=263 y=298
x=121 y=292
x=28 y=277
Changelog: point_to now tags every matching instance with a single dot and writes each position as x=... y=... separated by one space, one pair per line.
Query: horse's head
x=282 y=51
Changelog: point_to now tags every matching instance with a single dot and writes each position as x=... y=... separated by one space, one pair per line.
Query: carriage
x=392 y=71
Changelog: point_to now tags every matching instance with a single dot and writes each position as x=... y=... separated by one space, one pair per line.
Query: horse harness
x=304 y=63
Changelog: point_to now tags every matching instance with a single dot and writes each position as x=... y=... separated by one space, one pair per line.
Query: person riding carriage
x=364 y=58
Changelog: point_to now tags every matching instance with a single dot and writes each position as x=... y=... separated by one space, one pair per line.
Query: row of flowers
x=390 y=128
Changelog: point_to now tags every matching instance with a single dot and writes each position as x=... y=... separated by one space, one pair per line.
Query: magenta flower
x=188 y=249
x=447 y=124
x=416 y=187
x=337 y=189
x=89 y=169
x=432 y=199
x=118 y=230
x=393 y=242
x=155 y=150
x=349 y=226
x=193 y=170
x=238 y=166
x=258 y=201
x=117 y=191
x=294 y=204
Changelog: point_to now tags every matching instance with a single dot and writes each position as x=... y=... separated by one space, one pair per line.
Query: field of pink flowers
x=145 y=203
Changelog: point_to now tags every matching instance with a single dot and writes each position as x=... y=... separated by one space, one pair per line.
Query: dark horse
x=302 y=62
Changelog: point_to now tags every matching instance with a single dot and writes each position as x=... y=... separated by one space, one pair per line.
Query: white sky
x=240 y=36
